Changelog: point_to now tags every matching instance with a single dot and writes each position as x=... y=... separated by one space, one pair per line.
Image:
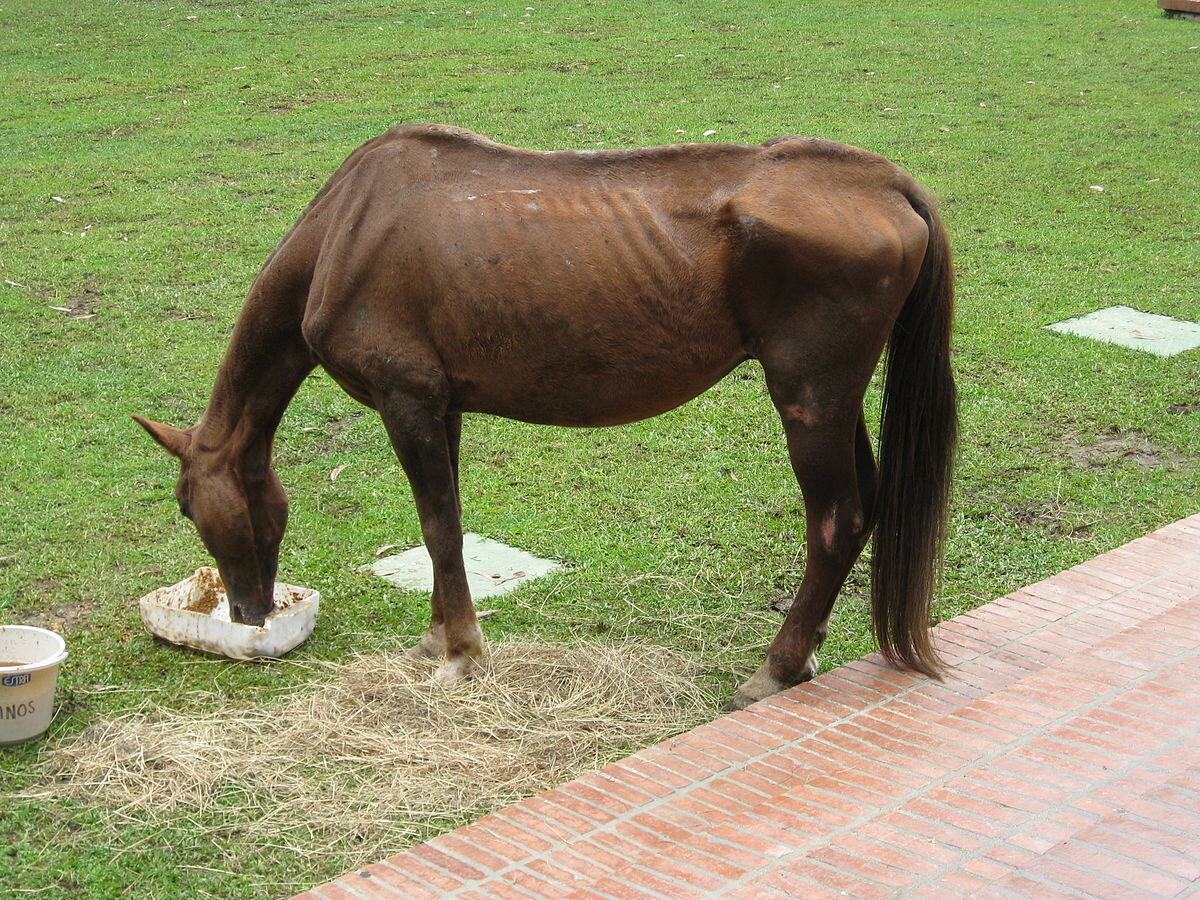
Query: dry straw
x=379 y=757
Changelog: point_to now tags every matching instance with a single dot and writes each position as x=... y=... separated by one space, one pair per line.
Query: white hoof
x=455 y=671
x=762 y=685
x=759 y=685
x=431 y=645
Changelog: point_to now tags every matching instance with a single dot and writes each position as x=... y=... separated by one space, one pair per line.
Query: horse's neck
x=261 y=372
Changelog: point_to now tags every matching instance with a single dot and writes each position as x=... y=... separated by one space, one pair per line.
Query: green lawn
x=153 y=155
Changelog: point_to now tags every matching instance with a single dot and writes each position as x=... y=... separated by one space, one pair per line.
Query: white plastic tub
x=195 y=613
x=29 y=661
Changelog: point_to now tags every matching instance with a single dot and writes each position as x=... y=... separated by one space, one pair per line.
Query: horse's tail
x=917 y=440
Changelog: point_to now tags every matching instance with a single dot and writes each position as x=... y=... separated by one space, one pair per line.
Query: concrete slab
x=492 y=567
x=1132 y=328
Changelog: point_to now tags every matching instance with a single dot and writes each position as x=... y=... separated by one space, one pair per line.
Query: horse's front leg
x=427 y=445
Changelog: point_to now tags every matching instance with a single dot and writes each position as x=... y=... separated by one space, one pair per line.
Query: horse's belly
x=586 y=359
x=584 y=401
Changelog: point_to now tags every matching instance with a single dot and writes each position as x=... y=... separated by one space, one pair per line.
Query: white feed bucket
x=29 y=661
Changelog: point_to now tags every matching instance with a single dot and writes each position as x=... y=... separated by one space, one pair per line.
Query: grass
x=154 y=154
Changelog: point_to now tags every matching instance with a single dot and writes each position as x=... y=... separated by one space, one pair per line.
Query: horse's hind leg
x=427 y=445
x=831 y=456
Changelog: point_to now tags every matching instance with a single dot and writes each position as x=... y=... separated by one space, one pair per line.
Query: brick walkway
x=1061 y=759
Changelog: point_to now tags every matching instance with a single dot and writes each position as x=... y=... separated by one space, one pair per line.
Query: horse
x=439 y=273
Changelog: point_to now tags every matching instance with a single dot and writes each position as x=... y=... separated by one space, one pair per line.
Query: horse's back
x=698 y=205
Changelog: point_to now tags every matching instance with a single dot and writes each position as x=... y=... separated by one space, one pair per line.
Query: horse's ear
x=174 y=440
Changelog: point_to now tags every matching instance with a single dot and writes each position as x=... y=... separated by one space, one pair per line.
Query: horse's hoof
x=455 y=671
x=739 y=700
x=431 y=645
x=760 y=685
x=763 y=684
x=239 y=615
x=420 y=651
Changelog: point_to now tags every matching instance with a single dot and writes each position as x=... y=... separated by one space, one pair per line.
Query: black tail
x=918 y=436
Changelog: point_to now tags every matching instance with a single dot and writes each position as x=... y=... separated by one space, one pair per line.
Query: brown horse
x=438 y=273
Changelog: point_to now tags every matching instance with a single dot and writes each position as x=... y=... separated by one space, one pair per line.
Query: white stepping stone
x=492 y=567
x=1133 y=328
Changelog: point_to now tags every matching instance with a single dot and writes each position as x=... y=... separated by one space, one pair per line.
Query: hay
x=379 y=758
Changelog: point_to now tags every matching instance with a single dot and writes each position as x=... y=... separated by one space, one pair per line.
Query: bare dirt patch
x=1117 y=444
x=64 y=617
x=81 y=306
x=1050 y=516
x=38 y=604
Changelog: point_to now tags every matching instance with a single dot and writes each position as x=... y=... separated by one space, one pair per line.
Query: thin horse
x=439 y=273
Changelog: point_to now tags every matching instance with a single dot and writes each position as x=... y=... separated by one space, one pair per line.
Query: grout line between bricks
x=408 y=873
x=542 y=856
x=341 y=883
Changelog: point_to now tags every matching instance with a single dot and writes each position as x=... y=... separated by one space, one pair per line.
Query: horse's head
x=239 y=509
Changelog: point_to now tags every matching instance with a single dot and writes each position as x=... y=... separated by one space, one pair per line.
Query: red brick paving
x=1060 y=759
